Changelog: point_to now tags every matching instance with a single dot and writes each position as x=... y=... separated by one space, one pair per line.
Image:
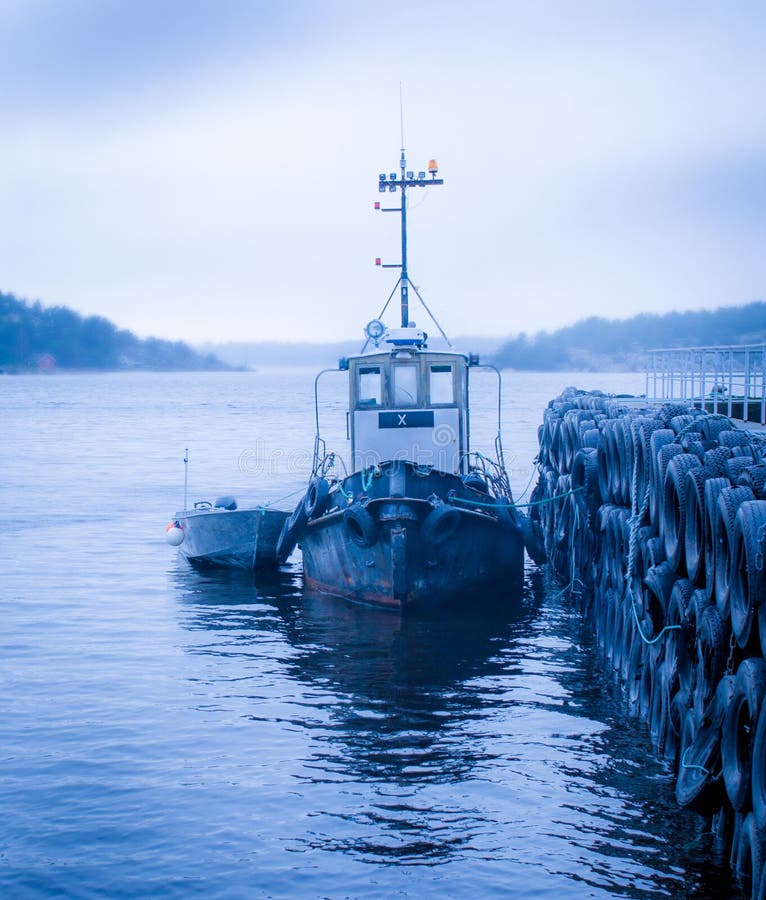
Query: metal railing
x=730 y=381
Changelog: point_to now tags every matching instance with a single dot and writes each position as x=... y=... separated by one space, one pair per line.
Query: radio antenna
x=401 y=115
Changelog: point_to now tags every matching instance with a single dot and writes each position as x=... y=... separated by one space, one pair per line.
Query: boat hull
x=399 y=560
x=239 y=538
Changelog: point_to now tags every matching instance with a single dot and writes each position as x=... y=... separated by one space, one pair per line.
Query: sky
x=207 y=171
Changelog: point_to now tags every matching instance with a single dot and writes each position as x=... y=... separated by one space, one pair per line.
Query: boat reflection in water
x=488 y=741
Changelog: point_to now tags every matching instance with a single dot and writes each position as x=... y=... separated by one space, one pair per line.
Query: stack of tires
x=656 y=517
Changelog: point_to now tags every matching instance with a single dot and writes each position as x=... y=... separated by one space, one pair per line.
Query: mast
x=392 y=183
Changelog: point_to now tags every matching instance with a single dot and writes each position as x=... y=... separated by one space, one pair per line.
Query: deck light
x=382 y=176
x=377 y=260
x=382 y=187
x=421 y=176
x=377 y=204
x=433 y=168
x=410 y=175
x=392 y=176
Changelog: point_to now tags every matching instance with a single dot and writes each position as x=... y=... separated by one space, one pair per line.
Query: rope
x=513 y=505
x=269 y=503
x=686 y=765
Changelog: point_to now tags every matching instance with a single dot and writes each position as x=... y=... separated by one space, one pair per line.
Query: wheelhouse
x=409 y=404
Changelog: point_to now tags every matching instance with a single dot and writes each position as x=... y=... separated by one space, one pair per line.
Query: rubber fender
x=534 y=544
x=729 y=501
x=739 y=731
x=360 y=525
x=698 y=785
x=317 y=494
x=440 y=524
x=759 y=770
x=747 y=579
x=285 y=543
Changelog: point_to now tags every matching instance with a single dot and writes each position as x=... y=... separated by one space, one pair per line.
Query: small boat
x=222 y=534
x=418 y=519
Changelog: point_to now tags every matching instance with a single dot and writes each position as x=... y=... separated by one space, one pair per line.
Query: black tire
x=713 y=487
x=734 y=437
x=668 y=452
x=658 y=585
x=739 y=731
x=534 y=544
x=285 y=543
x=658 y=439
x=606 y=454
x=642 y=432
x=361 y=526
x=754 y=477
x=729 y=501
x=712 y=427
x=712 y=653
x=699 y=785
x=748 y=864
x=440 y=524
x=694 y=527
x=686 y=647
x=747 y=578
x=316 y=497
x=736 y=466
x=585 y=478
x=758 y=785
x=715 y=460
x=674 y=506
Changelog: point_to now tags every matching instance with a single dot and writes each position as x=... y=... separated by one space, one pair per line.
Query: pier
x=654 y=516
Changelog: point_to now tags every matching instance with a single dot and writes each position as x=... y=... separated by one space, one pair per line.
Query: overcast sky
x=206 y=171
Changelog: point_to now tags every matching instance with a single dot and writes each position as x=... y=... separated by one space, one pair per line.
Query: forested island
x=34 y=337
x=597 y=345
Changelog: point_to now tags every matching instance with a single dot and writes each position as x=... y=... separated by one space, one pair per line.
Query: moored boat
x=417 y=519
x=225 y=535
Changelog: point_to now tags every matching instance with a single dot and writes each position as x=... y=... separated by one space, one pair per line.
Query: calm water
x=170 y=733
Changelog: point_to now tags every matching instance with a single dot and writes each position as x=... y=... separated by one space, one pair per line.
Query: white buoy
x=174 y=534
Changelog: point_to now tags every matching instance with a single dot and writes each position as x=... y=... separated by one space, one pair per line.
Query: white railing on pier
x=730 y=381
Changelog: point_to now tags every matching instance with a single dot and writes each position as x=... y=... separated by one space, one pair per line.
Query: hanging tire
x=674 y=506
x=360 y=526
x=687 y=641
x=699 y=785
x=666 y=454
x=534 y=544
x=712 y=652
x=316 y=497
x=291 y=531
x=747 y=577
x=729 y=501
x=694 y=527
x=749 y=859
x=657 y=440
x=739 y=731
x=440 y=524
x=658 y=584
x=713 y=487
x=758 y=784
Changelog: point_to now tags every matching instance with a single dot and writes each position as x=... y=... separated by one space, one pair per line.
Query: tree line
x=32 y=335
x=596 y=344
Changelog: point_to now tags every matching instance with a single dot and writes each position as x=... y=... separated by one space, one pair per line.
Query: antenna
x=401 y=115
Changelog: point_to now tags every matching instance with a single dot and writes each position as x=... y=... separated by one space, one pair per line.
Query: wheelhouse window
x=441 y=385
x=405 y=378
x=370 y=386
